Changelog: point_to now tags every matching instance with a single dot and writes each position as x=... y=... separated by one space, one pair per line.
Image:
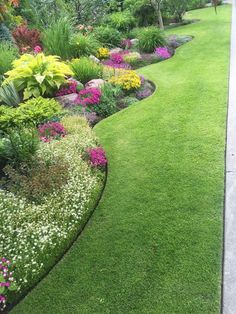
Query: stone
x=93 y=58
x=67 y=100
x=116 y=50
x=134 y=41
x=96 y=83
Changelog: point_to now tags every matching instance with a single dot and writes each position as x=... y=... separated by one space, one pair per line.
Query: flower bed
x=34 y=234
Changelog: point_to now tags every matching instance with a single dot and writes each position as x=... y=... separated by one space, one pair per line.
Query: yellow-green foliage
x=32 y=112
x=126 y=79
x=38 y=74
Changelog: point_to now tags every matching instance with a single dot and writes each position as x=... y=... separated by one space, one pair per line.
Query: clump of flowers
x=126 y=79
x=70 y=88
x=7 y=282
x=143 y=93
x=112 y=64
x=97 y=157
x=162 y=53
x=37 y=49
x=89 y=96
x=132 y=57
x=126 y=43
x=51 y=130
x=103 y=53
x=117 y=58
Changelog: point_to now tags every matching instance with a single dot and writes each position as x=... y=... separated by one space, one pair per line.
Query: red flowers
x=51 y=130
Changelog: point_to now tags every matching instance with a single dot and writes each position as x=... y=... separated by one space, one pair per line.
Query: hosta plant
x=38 y=74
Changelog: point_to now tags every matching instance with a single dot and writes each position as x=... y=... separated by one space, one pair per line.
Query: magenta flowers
x=97 y=157
x=162 y=53
x=6 y=281
x=69 y=89
x=117 y=58
x=37 y=49
x=89 y=96
x=51 y=130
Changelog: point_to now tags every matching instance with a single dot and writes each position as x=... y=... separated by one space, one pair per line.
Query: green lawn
x=154 y=245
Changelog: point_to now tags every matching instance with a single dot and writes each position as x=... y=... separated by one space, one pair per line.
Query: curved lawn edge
x=136 y=285
x=85 y=220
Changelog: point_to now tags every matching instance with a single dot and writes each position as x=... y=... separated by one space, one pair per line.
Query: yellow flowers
x=103 y=53
x=126 y=79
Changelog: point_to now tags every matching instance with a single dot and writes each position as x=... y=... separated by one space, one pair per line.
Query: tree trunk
x=156 y=4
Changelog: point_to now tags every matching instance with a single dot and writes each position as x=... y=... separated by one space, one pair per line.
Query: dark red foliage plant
x=26 y=37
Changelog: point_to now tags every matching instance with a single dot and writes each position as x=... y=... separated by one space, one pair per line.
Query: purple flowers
x=51 y=130
x=89 y=96
x=97 y=157
x=143 y=93
x=113 y=64
x=117 y=58
x=162 y=53
x=69 y=89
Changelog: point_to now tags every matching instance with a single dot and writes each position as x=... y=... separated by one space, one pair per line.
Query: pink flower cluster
x=51 y=130
x=113 y=64
x=67 y=90
x=116 y=58
x=37 y=49
x=89 y=96
x=126 y=43
x=6 y=281
x=162 y=52
x=97 y=157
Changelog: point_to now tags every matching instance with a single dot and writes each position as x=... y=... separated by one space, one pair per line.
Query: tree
x=157 y=7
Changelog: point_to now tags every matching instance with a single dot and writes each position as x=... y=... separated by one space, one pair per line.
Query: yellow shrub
x=103 y=53
x=126 y=79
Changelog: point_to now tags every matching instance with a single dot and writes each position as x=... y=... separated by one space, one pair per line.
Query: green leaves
x=38 y=75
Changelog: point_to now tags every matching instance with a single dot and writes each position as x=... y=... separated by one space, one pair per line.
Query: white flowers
x=33 y=235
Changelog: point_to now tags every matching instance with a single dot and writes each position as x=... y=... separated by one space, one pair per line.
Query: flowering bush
x=51 y=130
x=103 y=53
x=26 y=37
x=89 y=96
x=38 y=49
x=126 y=43
x=162 y=53
x=97 y=157
x=127 y=80
x=143 y=93
x=117 y=58
x=67 y=90
x=33 y=235
x=7 y=282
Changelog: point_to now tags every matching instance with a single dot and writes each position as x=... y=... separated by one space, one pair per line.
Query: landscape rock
x=96 y=83
x=67 y=100
x=93 y=58
x=115 y=50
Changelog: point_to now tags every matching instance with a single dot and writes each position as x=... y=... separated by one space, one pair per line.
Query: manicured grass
x=154 y=245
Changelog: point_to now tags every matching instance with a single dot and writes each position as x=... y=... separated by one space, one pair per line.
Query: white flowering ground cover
x=32 y=235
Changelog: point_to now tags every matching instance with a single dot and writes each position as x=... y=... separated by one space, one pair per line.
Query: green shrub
x=150 y=38
x=8 y=53
x=5 y=34
x=37 y=75
x=9 y=95
x=108 y=36
x=57 y=38
x=123 y=21
x=85 y=45
x=85 y=69
x=19 y=145
x=33 y=112
x=108 y=103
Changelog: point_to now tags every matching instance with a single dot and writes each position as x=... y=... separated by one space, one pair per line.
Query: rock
x=97 y=83
x=115 y=50
x=93 y=58
x=134 y=41
x=67 y=100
